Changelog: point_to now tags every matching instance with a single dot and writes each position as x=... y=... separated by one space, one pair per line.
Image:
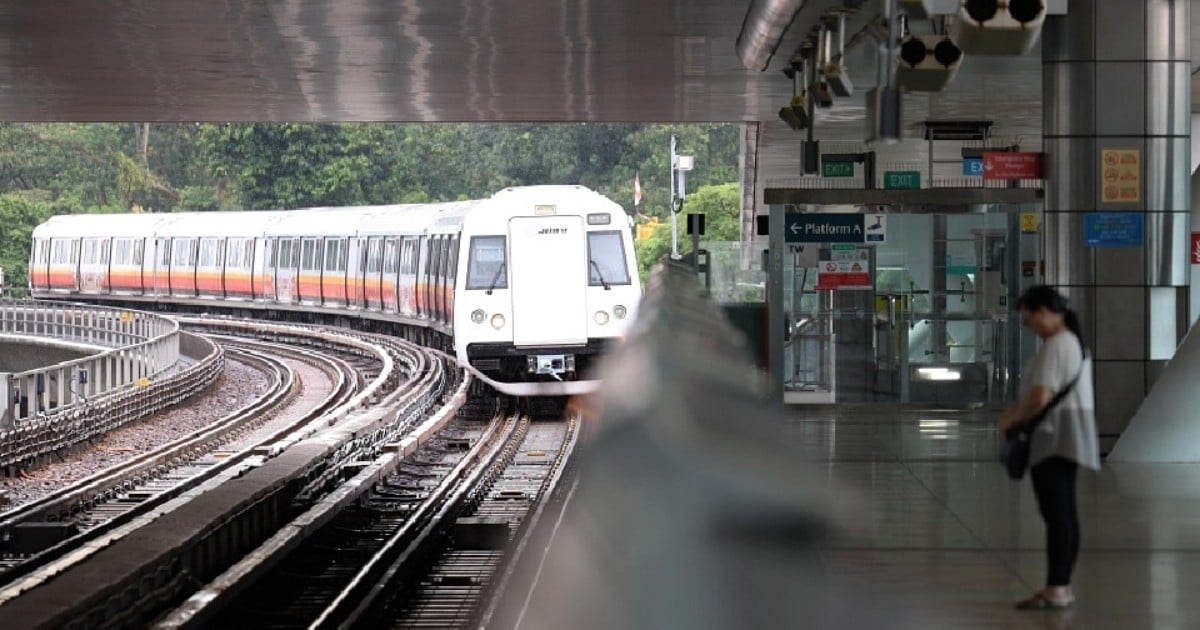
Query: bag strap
x=1028 y=427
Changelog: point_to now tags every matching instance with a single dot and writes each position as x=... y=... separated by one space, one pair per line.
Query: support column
x=1117 y=75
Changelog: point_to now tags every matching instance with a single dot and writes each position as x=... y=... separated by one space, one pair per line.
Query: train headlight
x=601 y=317
x=497 y=321
x=619 y=312
x=478 y=316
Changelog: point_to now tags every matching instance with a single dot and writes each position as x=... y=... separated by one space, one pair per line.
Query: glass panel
x=606 y=259
x=486 y=263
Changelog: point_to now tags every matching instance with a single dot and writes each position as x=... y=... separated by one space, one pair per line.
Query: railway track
x=424 y=541
x=158 y=556
x=95 y=508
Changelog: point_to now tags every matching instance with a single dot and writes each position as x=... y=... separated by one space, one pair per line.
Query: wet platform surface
x=955 y=542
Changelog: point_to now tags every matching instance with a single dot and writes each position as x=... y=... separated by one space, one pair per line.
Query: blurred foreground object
x=688 y=510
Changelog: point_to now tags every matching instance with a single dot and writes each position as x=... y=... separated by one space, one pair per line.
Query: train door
x=270 y=253
x=139 y=262
x=372 y=264
x=451 y=276
x=287 y=272
x=161 y=272
x=393 y=282
x=548 y=270
x=423 y=281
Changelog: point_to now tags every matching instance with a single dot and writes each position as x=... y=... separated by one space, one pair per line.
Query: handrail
x=132 y=348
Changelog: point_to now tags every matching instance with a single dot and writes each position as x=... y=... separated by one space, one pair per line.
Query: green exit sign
x=837 y=169
x=902 y=179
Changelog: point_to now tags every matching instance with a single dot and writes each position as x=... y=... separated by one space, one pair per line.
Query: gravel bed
x=237 y=386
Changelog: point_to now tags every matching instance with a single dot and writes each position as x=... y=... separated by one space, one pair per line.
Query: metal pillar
x=1117 y=76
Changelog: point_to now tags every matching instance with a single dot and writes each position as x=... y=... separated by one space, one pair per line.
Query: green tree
x=721 y=207
x=19 y=214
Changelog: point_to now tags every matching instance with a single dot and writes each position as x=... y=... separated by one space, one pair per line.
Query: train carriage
x=530 y=285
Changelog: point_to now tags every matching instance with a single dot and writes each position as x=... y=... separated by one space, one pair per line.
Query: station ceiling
x=438 y=60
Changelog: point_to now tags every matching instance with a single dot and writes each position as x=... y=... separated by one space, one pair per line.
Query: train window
x=373 y=256
x=606 y=259
x=390 y=256
x=43 y=251
x=164 y=256
x=181 y=252
x=105 y=250
x=247 y=254
x=287 y=253
x=62 y=252
x=454 y=258
x=122 y=251
x=138 y=251
x=335 y=258
x=91 y=251
x=310 y=257
x=485 y=265
x=407 y=257
x=208 y=253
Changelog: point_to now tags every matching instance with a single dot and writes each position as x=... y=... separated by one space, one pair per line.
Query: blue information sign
x=973 y=166
x=824 y=228
x=1113 y=229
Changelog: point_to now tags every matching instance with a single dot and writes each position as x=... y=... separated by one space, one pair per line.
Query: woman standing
x=1063 y=441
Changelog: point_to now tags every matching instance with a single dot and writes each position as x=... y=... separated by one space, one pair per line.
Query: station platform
x=952 y=539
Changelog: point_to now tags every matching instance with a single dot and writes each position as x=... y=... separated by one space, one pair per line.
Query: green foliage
x=720 y=205
x=19 y=214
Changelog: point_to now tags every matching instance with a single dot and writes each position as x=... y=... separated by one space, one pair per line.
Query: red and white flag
x=637 y=190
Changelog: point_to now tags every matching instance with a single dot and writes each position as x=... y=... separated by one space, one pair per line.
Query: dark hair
x=1044 y=297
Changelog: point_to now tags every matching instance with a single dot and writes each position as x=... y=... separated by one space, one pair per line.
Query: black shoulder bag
x=1014 y=452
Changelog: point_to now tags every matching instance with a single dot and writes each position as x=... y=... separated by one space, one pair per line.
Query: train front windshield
x=606 y=259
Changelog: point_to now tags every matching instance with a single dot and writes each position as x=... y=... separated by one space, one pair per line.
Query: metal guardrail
x=139 y=347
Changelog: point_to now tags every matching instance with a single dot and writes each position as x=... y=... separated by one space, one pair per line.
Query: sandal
x=1040 y=602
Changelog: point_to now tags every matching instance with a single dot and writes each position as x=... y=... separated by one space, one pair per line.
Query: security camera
x=999 y=27
x=927 y=63
x=838 y=80
x=821 y=94
x=794 y=114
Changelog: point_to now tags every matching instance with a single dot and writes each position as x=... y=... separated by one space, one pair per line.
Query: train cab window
x=485 y=264
x=606 y=259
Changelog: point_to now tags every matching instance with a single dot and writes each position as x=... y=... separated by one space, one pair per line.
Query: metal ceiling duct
x=766 y=21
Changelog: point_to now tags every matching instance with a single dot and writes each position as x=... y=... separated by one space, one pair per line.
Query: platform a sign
x=835 y=228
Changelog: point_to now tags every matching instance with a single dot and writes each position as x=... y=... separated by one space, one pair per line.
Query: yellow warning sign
x=1029 y=222
x=1120 y=175
x=646 y=230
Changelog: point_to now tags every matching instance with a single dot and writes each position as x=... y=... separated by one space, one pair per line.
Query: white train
x=531 y=285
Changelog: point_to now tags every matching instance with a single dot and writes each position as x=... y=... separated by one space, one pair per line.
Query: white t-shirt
x=1069 y=430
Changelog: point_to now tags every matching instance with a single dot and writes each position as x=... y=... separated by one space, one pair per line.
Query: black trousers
x=1054 y=485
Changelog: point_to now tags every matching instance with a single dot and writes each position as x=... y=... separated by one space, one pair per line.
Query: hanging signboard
x=1011 y=165
x=844 y=267
x=835 y=228
x=1120 y=175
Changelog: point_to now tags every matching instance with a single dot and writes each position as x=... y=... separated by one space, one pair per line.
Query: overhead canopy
x=434 y=60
